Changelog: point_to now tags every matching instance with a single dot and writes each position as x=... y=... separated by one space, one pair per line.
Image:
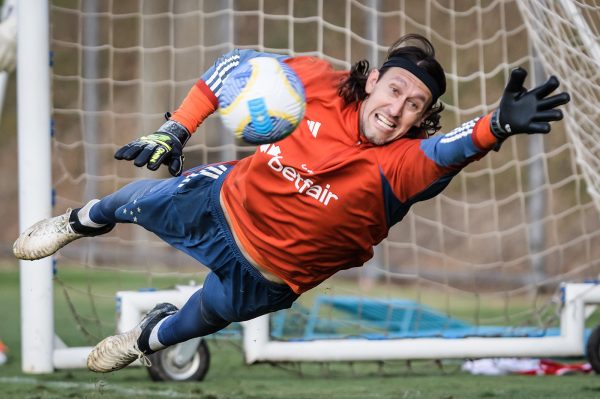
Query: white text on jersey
x=304 y=186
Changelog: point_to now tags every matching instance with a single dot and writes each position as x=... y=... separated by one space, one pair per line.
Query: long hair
x=415 y=48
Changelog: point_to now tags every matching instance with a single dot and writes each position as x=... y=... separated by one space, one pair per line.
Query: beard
x=374 y=139
x=371 y=137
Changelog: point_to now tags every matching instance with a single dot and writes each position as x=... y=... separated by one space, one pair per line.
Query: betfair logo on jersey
x=304 y=186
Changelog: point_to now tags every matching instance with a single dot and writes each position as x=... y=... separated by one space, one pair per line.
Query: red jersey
x=319 y=200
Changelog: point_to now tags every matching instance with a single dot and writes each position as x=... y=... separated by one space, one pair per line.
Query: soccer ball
x=262 y=101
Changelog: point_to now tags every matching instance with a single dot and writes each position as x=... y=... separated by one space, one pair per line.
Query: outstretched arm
x=429 y=165
x=520 y=111
x=165 y=146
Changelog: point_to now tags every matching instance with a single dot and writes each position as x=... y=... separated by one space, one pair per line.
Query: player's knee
x=211 y=316
x=229 y=310
x=215 y=313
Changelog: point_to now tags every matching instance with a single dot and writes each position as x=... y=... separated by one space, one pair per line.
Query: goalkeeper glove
x=165 y=146
x=523 y=111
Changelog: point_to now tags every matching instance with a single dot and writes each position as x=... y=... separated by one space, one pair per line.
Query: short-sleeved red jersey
x=319 y=200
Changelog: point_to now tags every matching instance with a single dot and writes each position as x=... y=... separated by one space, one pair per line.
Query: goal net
x=485 y=257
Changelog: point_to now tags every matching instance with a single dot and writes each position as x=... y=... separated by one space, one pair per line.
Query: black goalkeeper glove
x=165 y=146
x=523 y=111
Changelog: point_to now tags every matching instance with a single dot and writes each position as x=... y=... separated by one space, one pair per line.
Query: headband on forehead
x=420 y=73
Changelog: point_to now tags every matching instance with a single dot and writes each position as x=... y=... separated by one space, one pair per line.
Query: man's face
x=396 y=102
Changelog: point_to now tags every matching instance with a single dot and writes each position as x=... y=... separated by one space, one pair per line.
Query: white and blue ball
x=262 y=101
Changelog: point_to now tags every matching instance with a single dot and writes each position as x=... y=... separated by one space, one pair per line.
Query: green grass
x=229 y=377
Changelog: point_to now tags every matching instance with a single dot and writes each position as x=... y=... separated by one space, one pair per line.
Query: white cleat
x=45 y=238
x=117 y=351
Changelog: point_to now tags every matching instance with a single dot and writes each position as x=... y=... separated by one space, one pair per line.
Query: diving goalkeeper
x=276 y=224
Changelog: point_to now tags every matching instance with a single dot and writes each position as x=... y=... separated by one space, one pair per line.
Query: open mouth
x=384 y=122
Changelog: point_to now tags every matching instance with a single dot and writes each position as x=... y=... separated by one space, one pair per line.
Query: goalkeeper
x=276 y=224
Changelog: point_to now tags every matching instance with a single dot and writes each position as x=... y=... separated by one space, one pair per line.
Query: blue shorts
x=186 y=213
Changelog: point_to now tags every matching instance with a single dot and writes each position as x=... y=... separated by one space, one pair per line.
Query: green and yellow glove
x=165 y=146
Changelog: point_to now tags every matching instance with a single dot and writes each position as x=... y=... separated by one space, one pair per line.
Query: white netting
x=517 y=221
x=566 y=33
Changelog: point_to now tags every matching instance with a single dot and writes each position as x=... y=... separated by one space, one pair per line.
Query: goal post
x=492 y=250
x=35 y=183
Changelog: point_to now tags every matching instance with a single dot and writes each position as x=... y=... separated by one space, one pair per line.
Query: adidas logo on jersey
x=313 y=126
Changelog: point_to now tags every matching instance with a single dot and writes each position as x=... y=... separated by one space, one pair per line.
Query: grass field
x=229 y=377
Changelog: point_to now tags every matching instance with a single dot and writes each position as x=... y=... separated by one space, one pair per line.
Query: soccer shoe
x=117 y=351
x=49 y=235
x=45 y=238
